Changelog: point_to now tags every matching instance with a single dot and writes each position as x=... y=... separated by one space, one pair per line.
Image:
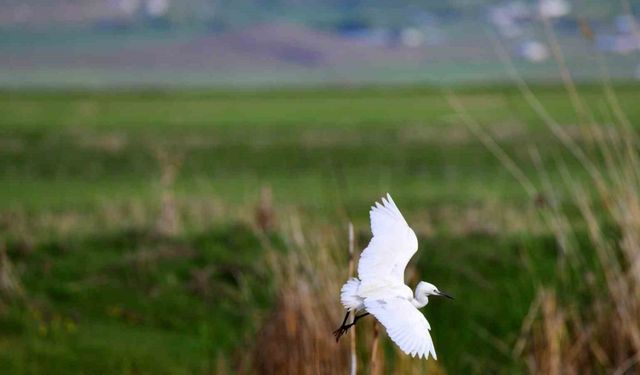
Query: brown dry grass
x=600 y=332
x=594 y=328
x=601 y=335
x=296 y=337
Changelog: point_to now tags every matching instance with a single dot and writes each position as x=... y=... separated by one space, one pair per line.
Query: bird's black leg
x=345 y=327
x=341 y=330
x=346 y=316
x=358 y=317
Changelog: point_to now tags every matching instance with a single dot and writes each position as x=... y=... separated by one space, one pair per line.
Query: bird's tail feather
x=349 y=295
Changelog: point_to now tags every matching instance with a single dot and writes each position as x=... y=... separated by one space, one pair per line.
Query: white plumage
x=380 y=288
x=392 y=246
x=405 y=325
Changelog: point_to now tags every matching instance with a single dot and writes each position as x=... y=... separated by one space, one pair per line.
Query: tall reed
x=597 y=328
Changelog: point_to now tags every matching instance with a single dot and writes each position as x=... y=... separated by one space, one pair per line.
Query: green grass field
x=102 y=291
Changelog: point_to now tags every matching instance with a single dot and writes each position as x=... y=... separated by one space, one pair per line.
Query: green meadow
x=128 y=219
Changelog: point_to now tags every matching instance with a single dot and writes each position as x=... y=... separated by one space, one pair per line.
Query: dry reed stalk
x=10 y=286
x=168 y=222
x=375 y=361
x=264 y=214
x=352 y=339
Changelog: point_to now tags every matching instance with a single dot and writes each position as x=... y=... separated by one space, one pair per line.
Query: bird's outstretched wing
x=392 y=246
x=405 y=325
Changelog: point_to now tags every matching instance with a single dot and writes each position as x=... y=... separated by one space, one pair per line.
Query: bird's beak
x=443 y=294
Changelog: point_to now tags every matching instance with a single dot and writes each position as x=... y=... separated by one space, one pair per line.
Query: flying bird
x=380 y=290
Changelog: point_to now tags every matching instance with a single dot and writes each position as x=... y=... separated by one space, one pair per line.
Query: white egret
x=380 y=289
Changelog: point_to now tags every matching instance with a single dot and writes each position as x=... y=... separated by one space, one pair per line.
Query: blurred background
x=178 y=180
x=246 y=43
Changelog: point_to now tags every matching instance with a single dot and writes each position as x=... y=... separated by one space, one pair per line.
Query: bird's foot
x=341 y=331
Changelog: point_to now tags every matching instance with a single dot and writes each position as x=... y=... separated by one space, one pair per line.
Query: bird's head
x=425 y=289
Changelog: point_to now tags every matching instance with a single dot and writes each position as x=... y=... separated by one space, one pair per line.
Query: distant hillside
x=228 y=13
x=281 y=42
